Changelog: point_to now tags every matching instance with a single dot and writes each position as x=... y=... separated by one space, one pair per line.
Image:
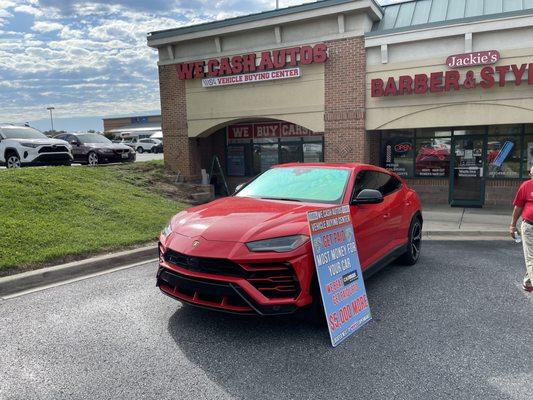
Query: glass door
x=467 y=182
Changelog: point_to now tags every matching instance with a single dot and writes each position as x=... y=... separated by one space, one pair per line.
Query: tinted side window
x=390 y=185
x=367 y=179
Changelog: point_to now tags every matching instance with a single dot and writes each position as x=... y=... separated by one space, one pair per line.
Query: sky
x=89 y=59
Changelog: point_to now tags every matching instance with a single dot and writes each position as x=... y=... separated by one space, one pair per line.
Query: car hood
x=244 y=219
x=49 y=141
x=112 y=146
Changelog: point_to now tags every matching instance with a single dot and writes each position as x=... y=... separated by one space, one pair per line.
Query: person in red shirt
x=523 y=206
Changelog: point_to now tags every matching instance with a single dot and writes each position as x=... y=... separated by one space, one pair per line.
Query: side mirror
x=368 y=196
x=74 y=142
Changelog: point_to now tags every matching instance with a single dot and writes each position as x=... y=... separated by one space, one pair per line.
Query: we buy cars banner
x=339 y=271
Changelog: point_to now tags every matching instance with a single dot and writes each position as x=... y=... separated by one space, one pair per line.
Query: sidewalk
x=458 y=221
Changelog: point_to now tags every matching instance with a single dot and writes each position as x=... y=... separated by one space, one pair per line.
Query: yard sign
x=339 y=272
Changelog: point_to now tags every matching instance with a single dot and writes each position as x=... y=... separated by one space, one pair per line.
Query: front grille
x=214 y=266
x=53 y=149
x=275 y=280
x=120 y=152
x=202 y=291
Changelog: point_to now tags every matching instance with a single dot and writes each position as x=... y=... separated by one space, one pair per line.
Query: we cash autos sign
x=339 y=271
x=252 y=67
x=457 y=78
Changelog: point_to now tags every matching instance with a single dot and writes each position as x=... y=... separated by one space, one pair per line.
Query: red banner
x=267 y=130
x=244 y=131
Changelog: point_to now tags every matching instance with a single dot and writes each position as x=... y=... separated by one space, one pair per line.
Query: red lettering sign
x=288 y=130
x=240 y=131
x=447 y=81
x=267 y=130
x=471 y=59
x=268 y=60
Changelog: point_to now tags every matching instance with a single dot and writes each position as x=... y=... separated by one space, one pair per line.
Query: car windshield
x=314 y=184
x=93 y=138
x=22 y=132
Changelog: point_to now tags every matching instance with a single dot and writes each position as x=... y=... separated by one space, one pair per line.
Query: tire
x=140 y=150
x=92 y=159
x=412 y=255
x=13 y=160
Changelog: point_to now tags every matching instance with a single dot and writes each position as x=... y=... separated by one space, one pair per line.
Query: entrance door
x=467 y=181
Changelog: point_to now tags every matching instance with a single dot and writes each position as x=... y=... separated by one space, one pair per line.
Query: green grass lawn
x=50 y=215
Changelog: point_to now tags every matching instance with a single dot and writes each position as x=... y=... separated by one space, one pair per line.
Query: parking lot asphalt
x=455 y=326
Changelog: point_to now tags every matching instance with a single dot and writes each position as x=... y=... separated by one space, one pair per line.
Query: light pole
x=51 y=118
x=277 y=4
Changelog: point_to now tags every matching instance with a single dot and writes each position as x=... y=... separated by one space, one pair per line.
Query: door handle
x=385 y=216
x=407 y=203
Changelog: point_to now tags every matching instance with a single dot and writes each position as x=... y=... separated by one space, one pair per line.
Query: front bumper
x=47 y=159
x=115 y=158
x=262 y=283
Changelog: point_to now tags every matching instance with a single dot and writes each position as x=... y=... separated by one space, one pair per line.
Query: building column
x=181 y=153
x=344 y=134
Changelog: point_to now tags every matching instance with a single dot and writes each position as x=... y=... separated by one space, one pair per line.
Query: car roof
x=3 y=125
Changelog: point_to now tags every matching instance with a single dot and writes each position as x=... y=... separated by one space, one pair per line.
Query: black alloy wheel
x=414 y=244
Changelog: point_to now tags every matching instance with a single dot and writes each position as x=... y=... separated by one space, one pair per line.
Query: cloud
x=45 y=26
x=90 y=58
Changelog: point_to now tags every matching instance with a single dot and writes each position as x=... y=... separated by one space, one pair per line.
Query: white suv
x=23 y=145
x=142 y=145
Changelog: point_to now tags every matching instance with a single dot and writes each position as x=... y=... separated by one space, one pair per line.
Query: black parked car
x=158 y=148
x=92 y=149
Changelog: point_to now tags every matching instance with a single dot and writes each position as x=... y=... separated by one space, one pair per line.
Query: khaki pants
x=527 y=243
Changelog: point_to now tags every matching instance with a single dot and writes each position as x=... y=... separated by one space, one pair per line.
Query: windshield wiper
x=280 y=198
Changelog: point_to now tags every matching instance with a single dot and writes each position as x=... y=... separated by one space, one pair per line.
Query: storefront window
x=398 y=150
x=313 y=149
x=527 y=162
x=503 y=151
x=503 y=156
x=236 y=160
x=433 y=156
x=253 y=148
x=290 y=150
x=266 y=154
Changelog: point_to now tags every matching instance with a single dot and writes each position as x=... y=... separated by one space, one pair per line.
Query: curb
x=466 y=234
x=58 y=273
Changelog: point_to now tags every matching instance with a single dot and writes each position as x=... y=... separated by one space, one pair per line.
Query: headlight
x=105 y=150
x=167 y=231
x=279 y=245
x=32 y=145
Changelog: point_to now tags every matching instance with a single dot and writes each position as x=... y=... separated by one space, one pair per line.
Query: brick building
x=440 y=91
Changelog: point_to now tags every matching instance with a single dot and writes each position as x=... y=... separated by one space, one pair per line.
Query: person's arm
x=517 y=212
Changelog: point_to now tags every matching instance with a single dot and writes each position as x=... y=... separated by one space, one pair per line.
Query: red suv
x=251 y=254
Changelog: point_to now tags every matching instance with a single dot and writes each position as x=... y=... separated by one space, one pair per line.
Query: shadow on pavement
x=434 y=335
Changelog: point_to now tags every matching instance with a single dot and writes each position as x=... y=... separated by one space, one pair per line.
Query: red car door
x=371 y=221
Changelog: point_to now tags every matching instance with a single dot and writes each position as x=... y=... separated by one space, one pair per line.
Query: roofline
x=131 y=116
x=167 y=33
x=452 y=22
